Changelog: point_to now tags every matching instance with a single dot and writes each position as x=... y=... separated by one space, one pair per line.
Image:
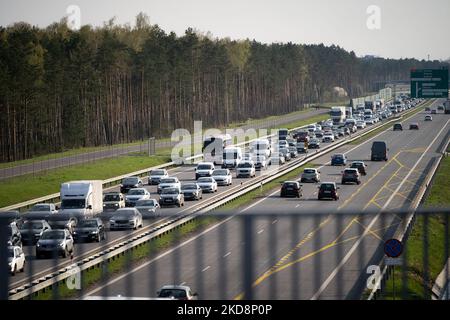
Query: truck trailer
x=82 y=198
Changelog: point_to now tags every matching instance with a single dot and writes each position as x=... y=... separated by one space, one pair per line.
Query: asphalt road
x=50 y=164
x=311 y=257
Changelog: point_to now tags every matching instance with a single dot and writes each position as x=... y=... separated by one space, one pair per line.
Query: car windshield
x=290 y=184
x=73 y=204
x=41 y=207
x=168 y=180
x=145 y=203
x=220 y=172
x=170 y=191
x=204 y=167
x=189 y=187
x=309 y=171
x=176 y=293
x=357 y=164
x=53 y=235
x=32 y=225
x=327 y=186
x=87 y=224
x=349 y=171
x=338 y=156
x=136 y=192
x=205 y=179
x=157 y=173
x=124 y=213
x=245 y=165
x=130 y=181
x=111 y=197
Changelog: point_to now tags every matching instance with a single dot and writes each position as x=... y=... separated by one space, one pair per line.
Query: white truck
x=232 y=156
x=337 y=114
x=82 y=198
x=261 y=147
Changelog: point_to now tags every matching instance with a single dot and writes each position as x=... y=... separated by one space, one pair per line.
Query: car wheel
x=23 y=267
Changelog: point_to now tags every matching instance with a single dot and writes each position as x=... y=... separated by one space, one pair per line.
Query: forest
x=61 y=89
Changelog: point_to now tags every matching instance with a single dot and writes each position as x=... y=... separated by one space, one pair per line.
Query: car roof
x=329 y=182
x=290 y=181
x=350 y=169
x=174 y=286
x=309 y=169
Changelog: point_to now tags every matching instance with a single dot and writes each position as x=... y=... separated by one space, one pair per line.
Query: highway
x=54 y=163
x=327 y=256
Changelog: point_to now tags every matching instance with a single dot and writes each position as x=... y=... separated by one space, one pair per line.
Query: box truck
x=82 y=198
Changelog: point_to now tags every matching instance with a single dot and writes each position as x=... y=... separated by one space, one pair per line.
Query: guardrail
x=202 y=208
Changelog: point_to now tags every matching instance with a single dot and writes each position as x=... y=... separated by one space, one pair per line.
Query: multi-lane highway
x=321 y=257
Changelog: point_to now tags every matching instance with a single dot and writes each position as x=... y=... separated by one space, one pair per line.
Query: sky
x=393 y=29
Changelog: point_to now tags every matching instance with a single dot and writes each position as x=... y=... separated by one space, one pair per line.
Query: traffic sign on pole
x=393 y=248
x=429 y=83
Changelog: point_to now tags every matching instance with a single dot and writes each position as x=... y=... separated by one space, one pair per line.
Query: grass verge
x=23 y=188
x=414 y=249
x=138 y=255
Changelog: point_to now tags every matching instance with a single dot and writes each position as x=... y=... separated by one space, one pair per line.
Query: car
x=310 y=175
x=286 y=153
x=14 y=237
x=177 y=292
x=314 y=144
x=328 y=137
x=170 y=182
x=171 y=196
x=346 y=130
x=283 y=144
x=260 y=163
x=130 y=183
x=291 y=188
x=48 y=208
x=223 y=177
x=63 y=221
x=328 y=190
x=31 y=230
x=89 y=230
x=113 y=201
x=338 y=159
x=208 y=184
x=16 y=259
x=433 y=111
x=351 y=175
x=204 y=169
x=126 y=218
x=302 y=136
x=135 y=195
x=293 y=151
x=192 y=191
x=379 y=151
x=360 y=165
x=440 y=108
x=340 y=132
x=157 y=175
x=55 y=242
x=245 y=169
x=397 y=127
x=427 y=109
x=319 y=134
x=428 y=118
x=311 y=128
x=302 y=147
x=277 y=159
x=247 y=157
x=148 y=208
x=369 y=121
x=414 y=126
x=360 y=124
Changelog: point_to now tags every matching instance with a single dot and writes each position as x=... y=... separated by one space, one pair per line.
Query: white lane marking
x=369 y=227
x=206 y=268
x=260 y=231
x=297 y=206
x=274 y=221
x=228 y=253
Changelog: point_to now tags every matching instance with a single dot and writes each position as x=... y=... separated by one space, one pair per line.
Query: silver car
x=58 y=242
x=126 y=218
x=310 y=175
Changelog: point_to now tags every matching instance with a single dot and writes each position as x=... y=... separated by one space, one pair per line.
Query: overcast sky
x=408 y=28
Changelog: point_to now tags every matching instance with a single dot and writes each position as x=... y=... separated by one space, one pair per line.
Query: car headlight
x=61 y=244
x=112 y=221
x=116 y=204
x=130 y=220
x=104 y=204
x=94 y=232
x=38 y=244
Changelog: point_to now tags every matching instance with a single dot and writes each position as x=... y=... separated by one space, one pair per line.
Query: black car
x=351 y=175
x=62 y=221
x=314 y=144
x=328 y=190
x=361 y=166
x=32 y=230
x=130 y=183
x=414 y=126
x=191 y=191
x=398 y=127
x=379 y=151
x=291 y=188
x=89 y=230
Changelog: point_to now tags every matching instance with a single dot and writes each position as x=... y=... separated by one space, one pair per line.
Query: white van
x=261 y=147
x=204 y=169
x=232 y=156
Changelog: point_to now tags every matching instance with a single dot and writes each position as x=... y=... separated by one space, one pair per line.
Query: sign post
x=393 y=248
x=429 y=83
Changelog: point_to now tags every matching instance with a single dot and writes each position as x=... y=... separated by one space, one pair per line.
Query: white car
x=328 y=137
x=223 y=177
x=246 y=169
x=16 y=259
x=204 y=169
x=47 y=208
x=149 y=206
x=113 y=201
x=177 y=293
x=369 y=121
x=208 y=184
x=428 y=118
x=283 y=144
x=157 y=175
x=260 y=163
x=311 y=128
x=126 y=218
x=277 y=159
x=170 y=182
x=136 y=194
x=360 y=124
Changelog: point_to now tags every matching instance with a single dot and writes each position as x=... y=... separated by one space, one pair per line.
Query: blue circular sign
x=393 y=248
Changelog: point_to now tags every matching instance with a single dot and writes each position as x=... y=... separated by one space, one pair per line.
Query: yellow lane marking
x=381 y=189
x=370 y=231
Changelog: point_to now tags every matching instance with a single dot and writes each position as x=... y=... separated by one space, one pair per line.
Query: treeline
x=61 y=89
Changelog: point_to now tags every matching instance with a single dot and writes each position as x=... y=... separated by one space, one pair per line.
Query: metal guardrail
x=201 y=208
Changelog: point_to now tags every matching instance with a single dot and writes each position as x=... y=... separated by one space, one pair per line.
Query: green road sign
x=429 y=83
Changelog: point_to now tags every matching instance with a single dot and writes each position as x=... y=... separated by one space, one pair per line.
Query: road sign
x=393 y=248
x=429 y=83
x=393 y=261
